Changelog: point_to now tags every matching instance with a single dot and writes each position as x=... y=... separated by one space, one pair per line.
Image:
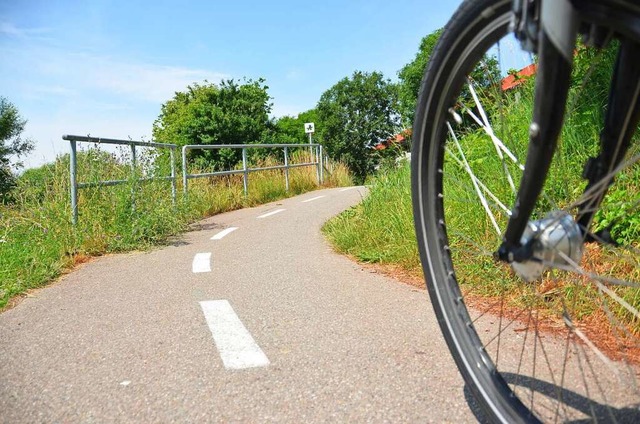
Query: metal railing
x=75 y=185
x=316 y=160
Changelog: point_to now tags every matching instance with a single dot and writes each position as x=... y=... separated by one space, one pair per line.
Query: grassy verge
x=380 y=229
x=38 y=242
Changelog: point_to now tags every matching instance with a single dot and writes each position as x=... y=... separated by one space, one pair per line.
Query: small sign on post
x=309 y=128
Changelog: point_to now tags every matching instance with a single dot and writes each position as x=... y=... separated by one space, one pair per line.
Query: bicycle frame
x=555 y=25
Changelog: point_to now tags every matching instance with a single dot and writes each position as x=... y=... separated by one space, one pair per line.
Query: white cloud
x=155 y=83
x=38 y=90
x=9 y=29
x=80 y=92
x=66 y=73
x=47 y=131
x=31 y=58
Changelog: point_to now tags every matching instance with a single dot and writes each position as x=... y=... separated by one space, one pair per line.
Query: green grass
x=38 y=242
x=380 y=229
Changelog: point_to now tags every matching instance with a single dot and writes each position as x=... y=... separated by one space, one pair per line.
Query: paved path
x=252 y=318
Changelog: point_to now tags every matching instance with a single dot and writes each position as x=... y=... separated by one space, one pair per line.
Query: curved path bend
x=251 y=318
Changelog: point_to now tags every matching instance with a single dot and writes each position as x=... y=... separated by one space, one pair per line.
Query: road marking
x=271 y=213
x=201 y=262
x=223 y=233
x=237 y=348
x=312 y=199
x=346 y=189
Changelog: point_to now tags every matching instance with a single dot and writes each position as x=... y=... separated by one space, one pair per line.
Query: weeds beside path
x=380 y=229
x=38 y=242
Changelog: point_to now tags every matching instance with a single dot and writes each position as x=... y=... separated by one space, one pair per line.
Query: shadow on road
x=206 y=226
x=474 y=406
x=571 y=400
x=177 y=243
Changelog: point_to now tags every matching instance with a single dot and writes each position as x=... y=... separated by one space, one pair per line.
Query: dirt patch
x=616 y=343
x=80 y=259
x=412 y=278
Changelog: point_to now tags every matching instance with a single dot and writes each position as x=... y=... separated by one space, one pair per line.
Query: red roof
x=511 y=81
x=396 y=139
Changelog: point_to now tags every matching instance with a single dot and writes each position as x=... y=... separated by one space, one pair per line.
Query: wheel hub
x=556 y=240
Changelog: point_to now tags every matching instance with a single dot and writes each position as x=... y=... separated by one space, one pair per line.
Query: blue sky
x=104 y=67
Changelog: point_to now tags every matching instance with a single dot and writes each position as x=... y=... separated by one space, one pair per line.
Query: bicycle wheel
x=566 y=346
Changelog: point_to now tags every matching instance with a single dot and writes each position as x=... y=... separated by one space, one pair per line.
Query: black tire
x=469 y=37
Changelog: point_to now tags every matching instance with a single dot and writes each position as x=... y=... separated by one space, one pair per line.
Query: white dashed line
x=271 y=213
x=312 y=199
x=201 y=263
x=237 y=348
x=223 y=233
x=346 y=189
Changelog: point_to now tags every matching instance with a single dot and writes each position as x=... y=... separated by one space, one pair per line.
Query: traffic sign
x=309 y=128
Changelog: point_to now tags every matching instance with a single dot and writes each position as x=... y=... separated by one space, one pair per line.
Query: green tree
x=411 y=77
x=11 y=144
x=356 y=114
x=291 y=130
x=486 y=74
x=286 y=129
x=229 y=113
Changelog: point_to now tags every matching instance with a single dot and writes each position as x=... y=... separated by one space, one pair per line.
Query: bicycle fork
x=526 y=245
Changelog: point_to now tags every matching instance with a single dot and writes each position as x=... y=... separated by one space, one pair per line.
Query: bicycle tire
x=471 y=33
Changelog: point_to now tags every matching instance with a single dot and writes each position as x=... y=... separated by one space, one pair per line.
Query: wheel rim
x=550 y=341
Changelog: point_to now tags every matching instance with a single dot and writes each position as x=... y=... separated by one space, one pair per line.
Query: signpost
x=309 y=128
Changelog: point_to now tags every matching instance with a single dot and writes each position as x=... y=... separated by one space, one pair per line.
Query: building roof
x=511 y=81
x=396 y=139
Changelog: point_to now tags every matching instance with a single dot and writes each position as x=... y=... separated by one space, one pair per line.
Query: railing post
x=74 y=183
x=172 y=157
x=136 y=177
x=317 y=160
x=133 y=158
x=184 y=170
x=133 y=178
x=286 y=167
x=244 y=169
x=321 y=165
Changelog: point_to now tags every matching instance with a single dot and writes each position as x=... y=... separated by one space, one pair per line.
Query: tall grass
x=380 y=229
x=38 y=242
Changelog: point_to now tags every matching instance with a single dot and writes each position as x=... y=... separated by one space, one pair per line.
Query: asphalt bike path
x=250 y=318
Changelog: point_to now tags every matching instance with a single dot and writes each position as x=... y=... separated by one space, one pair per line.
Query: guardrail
x=315 y=148
x=75 y=185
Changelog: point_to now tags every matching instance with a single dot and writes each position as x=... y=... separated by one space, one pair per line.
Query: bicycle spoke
x=522 y=350
x=622 y=328
x=482 y=186
x=597 y=189
x=558 y=342
x=501 y=329
x=475 y=184
x=574 y=267
x=535 y=348
x=605 y=360
x=500 y=147
x=560 y=403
